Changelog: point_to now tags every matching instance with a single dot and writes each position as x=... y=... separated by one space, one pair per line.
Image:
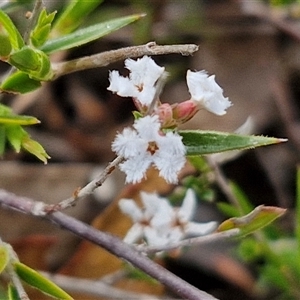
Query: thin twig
x=192 y=241
x=112 y=244
x=108 y=57
x=85 y=191
x=33 y=18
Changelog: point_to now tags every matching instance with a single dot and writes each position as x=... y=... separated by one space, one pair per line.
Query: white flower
x=206 y=92
x=145 y=145
x=144 y=73
x=160 y=224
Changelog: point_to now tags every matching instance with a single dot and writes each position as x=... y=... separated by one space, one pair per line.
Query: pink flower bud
x=184 y=111
x=165 y=115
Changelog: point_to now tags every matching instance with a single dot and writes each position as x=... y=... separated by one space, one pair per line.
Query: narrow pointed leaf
x=13 y=33
x=200 y=142
x=73 y=15
x=35 y=148
x=38 y=281
x=4 y=257
x=260 y=217
x=19 y=120
x=86 y=35
x=13 y=293
x=8 y=117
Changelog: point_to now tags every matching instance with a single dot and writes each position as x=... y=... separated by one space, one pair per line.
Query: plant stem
x=108 y=57
x=110 y=243
x=85 y=191
x=200 y=240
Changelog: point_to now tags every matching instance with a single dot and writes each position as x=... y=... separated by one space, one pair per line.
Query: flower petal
x=187 y=209
x=135 y=233
x=196 y=229
x=121 y=85
x=135 y=168
x=130 y=208
x=206 y=92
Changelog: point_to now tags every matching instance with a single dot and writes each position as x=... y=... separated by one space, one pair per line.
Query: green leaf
x=13 y=293
x=14 y=35
x=2 y=139
x=40 y=33
x=200 y=142
x=7 y=116
x=86 y=35
x=4 y=257
x=15 y=135
x=73 y=15
x=38 y=281
x=260 y=217
x=32 y=61
x=19 y=120
x=11 y=129
x=25 y=59
x=5 y=46
x=19 y=82
x=35 y=148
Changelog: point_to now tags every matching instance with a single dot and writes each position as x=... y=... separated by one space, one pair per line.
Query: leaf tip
x=282 y=140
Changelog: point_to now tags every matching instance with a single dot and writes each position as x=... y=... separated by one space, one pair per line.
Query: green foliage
x=243 y=207
x=4 y=257
x=40 y=33
x=282 y=2
x=260 y=217
x=88 y=34
x=38 y=281
x=11 y=130
x=9 y=263
x=200 y=182
x=19 y=82
x=277 y=252
x=33 y=62
x=200 y=142
x=12 y=32
x=12 y=293
x=73 y=15
x=5 y=46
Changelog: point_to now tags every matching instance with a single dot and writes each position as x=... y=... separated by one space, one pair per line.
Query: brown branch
x=82 y=192
x=108 y=57
x=111 y=243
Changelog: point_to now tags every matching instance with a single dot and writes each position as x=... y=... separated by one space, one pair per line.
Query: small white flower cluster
x=145 y=145
x=159 y=224
x=153 y=139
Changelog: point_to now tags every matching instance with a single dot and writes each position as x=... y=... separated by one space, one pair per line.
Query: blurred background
x=253 y=48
